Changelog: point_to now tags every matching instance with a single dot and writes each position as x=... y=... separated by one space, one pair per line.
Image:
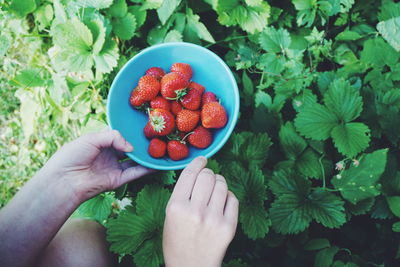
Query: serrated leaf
x=139 y=14
x=107 y=59
x=252 y=19
x=173 y=36
x=98 y=4
x=381 y=209
x=360 y=182
x=255 y=221
x=152 y=200
x=396 y=227
x=390 y=30
x=194 y=23
x=303 y=100
x=272 y=63
x=308 y=164
x=97 y=208
x=150 y=254
x=43 y=16
x=118 y=8
x=213 y=165
x=29 y=78
x=99 y=34
x=73 y=35
x=262 y=98
x=362 y=207
x=389 y=10
x=274 y=41
x=315 y=122
x=378 y=60
x=166 y=9
x=289 y=215
x=23 y=7
x=4 y=45
x=343 y=100
x=326 y=208
x=292 y=143
x=351 y=138
x=287 y=181
x=124 y=27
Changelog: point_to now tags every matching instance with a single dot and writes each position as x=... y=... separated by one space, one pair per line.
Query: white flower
x=339 y=166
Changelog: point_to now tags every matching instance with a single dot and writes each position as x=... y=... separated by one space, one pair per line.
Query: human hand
x=201 y=218
x=90 y=164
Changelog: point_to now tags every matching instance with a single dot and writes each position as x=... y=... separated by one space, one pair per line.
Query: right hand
x=201 y=218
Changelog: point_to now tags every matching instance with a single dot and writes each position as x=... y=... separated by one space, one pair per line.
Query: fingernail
x=129 y=147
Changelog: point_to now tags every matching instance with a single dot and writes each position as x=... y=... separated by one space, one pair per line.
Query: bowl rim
x=235 y=114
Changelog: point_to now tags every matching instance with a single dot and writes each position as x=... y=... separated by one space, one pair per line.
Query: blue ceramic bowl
x=208 y=70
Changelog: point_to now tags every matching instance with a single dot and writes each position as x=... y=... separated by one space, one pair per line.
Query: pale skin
x=90 y=165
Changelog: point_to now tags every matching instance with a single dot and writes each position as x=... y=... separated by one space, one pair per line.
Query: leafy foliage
x=315 y=148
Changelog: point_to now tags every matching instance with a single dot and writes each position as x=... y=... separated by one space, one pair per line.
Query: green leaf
x=362 y=207
x=360 y=182
x=29 y=78
x=194 y=24
x=255 y=221
x=396 y=227
x=139 y=14
x=23 y=7
x=289 y=215
x=272 y=63
x=43 y=16
x=287 y=181
x=308 y=164
x=248 y=89
x=173 y=36
x=29 y=110
x=152 y=4
x=97 y=208
x=327 y=209
x=73 y=35
x=99 y=34
x=351 y=138
x=315 y=122
x=394 y=204
x=124 y=27
x=343 y=100
x=166 y=9
x=152 y=201
x=150 y=254
x=325 y=257
x=107 y=59
x=292 y=143
x=274 y=41
x=4 y=45
x=317 y=244
x=306 y=11
x=98 y=4
x=389 y=10
x=378 y=60
x=262 y=98
x=213 y=165
x=348 y=36
x=253 y=19
x=118 y=9
x=390 y=30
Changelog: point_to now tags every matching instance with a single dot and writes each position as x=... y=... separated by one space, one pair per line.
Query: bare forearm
x=33 y=217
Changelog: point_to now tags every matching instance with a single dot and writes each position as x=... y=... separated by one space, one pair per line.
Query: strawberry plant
x=314 y=159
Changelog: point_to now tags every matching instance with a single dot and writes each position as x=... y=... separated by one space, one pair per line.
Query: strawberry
x=172 y=84
x=198 y=87
x=201 y=137
x=213 y=115
x=160 y=102
x=183 y=69
x=186 y=120
x=208 y=97
x=157 y=148
x=149 y=131
x=191 y=100
x=149 y=87
x=177 y=150
x=156 y=72
x=176 y=107
x=135 y=99
x=162 y=121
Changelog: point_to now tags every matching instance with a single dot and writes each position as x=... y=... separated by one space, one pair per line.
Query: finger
x=128 y=164
x=219 y=195
x=134 y=173
x=231 y=208
x=106 y=139
x=203 y=187
x=184 y=185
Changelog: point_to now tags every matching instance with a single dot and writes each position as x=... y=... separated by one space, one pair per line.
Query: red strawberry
x=149 y=87
x=191 y=100
x=177 y=150
x=201 y=137
x=186 y=120
x=162 y=121
x=135 y=99
x=213 y=115
x=183 y=69
x=208 y=97
x=176 y=107
x=173 y=83
x=156 y=72
x=198 y=87
x=157 y=148
x=160 y=102
x=149 y=131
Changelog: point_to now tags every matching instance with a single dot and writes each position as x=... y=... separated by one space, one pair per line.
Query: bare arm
x=79 y=171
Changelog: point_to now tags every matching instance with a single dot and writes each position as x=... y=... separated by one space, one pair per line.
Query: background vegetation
x=313 y=160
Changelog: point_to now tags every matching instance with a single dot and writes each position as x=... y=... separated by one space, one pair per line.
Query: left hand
x=90 y=164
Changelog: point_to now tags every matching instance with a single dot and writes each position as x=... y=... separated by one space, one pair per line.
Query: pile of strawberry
x=178 y=109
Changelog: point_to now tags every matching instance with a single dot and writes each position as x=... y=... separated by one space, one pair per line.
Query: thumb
x=106 y=139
